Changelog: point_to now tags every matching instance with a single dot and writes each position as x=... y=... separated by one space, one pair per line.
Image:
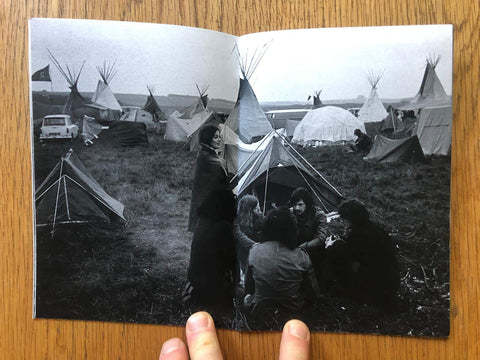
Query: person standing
x=209 y=173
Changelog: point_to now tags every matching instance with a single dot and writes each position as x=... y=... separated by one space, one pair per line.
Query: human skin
x=203 y=342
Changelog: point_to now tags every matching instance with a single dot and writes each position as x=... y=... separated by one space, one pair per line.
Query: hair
x=206 y=133
x=281 y=226
x=357 y=132
x=219 y=205
x=304 y=195
x=354 y=211
x=245 y=211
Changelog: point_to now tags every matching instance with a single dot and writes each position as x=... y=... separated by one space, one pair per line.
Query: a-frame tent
x=372 y=109
x=388 y=150
x=69 y=194
x=247 y=118
x=434 y=124
x=272 y=173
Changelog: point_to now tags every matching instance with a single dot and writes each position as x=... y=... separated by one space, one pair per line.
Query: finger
x=174 y=349
x=201 y=337
x=295 y=341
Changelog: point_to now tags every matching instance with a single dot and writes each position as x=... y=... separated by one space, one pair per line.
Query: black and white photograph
x=277 y=175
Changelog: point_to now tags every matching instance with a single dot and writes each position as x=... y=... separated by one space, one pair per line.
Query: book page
x=116 y=108
x=360 y=156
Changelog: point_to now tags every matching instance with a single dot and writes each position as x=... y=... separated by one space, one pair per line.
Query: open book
x=178 y=169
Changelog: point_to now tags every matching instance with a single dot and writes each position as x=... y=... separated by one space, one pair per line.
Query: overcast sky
x=338 y=60
x=173 y=59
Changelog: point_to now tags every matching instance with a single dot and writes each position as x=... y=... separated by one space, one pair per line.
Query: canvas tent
x=69 y=194
x=434 y=123
x=75 y=101
x=387 y=150
x=316 y=99
x=274 y=171
x=103 y=98
x=372 y=109
x=151 y=106
x=391 y=123
x=182 y=126
x=326 y=125
x=247 y=118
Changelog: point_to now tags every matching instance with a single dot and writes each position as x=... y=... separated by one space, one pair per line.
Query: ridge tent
x=372 y=109
x=247 y=118
x=69 y=194
x=274 y=172
x=391 y=123
x=326 y=125
x=434 y=122
x=388 y=150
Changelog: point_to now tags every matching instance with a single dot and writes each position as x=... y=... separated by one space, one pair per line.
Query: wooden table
x=24 y=338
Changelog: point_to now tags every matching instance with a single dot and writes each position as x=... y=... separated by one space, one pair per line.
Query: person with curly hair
x=364 y=262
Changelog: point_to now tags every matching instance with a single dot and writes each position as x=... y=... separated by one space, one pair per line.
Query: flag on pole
x=42 y=74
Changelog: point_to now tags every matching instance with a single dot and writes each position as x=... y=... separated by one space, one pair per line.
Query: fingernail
x=197 y=321
x=298 y=330
x=171 y=345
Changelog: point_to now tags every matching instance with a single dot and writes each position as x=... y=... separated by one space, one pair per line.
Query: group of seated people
x=284 y=260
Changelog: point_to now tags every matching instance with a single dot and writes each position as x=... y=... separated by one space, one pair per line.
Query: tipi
x=69 y=194
x=434 y=123
x=275 y=169
x=151 y=106
x=372 y=109
x=316 y=99
x=75 y=100
x=247 y=118
x=182 y=126
x=108 y=105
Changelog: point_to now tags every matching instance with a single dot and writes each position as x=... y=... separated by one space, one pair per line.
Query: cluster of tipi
x=263 y=159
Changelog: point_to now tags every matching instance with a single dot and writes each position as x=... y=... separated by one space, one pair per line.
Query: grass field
x=135 y=272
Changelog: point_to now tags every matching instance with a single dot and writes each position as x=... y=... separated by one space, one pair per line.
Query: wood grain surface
x=24 y=338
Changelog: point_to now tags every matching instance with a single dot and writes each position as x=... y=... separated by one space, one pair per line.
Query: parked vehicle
x=58 y=127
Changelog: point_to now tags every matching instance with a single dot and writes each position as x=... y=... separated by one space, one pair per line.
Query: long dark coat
x=209 y=175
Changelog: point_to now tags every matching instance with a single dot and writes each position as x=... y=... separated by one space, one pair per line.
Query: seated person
x=248 y=227
x=364 y=262
x=311 y=228
x=279 y=274
x=363 y=142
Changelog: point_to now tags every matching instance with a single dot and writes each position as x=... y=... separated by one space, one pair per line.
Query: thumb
x=295 y=341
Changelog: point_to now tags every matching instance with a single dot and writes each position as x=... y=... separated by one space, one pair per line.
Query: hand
x=203 y=342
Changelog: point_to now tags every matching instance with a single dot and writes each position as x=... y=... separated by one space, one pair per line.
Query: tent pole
x=308 y=163
x=56 y=199
x=265 y=194
x=249 y=157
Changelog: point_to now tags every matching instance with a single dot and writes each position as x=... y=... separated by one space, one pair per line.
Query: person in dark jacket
x=279 y=274
x=363 y=142
x=364 y=262
x=311 y=224
x=211 y=270
x=209 y=173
